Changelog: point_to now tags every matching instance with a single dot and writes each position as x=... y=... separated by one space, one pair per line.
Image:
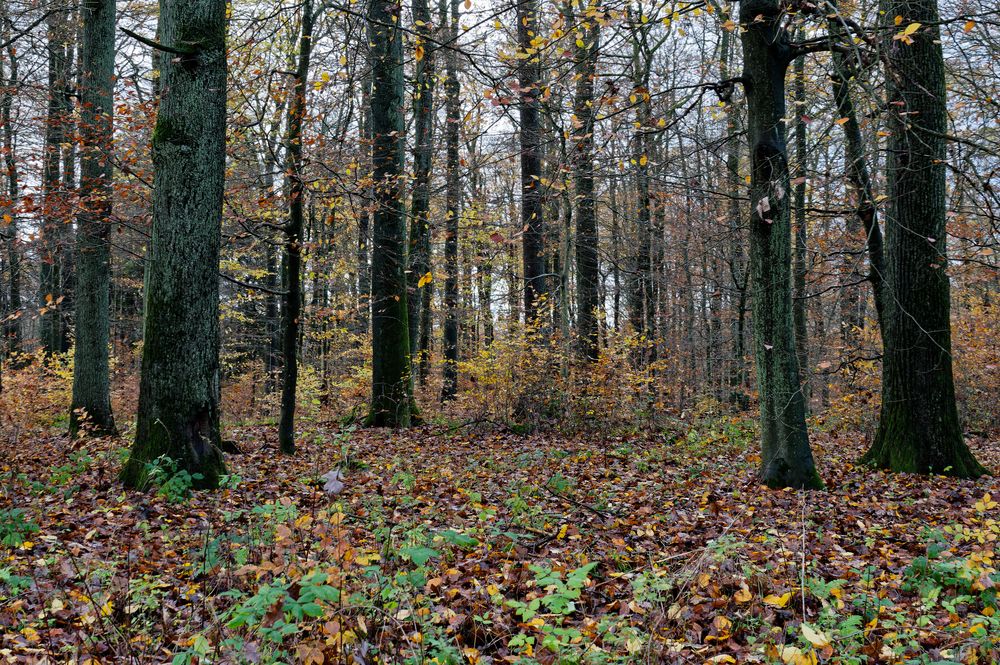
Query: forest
x=543 y=332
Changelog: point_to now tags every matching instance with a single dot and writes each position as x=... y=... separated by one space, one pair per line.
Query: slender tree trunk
x=392 y=388
x=52 y=232
x=799 y=264
x=292 y=306
x=453 y=195
x=12 y=328
x=532 y=221
x=587 y=267
x=919 y=430
x=91 y=381
x=419 y=255
x=856 y=165
x=179 y=384
x=786 y=459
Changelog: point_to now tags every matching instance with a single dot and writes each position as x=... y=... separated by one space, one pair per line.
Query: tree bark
x=91 y=403
x=292 y=306
x=392 y=389
x=919 y=430
x=587 y=268
x=419 y=257
x=800 y=267
x=179 y=384
x=453 y=196
x=532 y=215
x=786 y=459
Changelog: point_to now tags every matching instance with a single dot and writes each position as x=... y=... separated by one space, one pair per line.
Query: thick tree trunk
x=292 y=306
x=392 y=389
x=919 y=430
x=12 y=327
x=91 y=390
x=179 y=386
x=453 y=195
x=419 y=256
x=786 y=459
x=532 y=215
x=587 y=267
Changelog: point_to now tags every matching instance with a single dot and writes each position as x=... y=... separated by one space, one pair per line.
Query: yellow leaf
x=643 y=160
x=969 y=25
x=986 y=503
x=468 y=4
x=778 y=601
x=898 y=20
x=562 y=532
x=729 y=26
x=418 y=52
x=910 y=29
x=815 y=637
x=795 y=656
x=425 y=280
x=743 y=595
x=841 y=121
x=343 y=60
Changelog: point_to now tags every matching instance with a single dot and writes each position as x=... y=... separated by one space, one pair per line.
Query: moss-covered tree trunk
x=292 y=309
x=453 y=202
x=179 y=384
x=918 y=428
x=587 y=273
x=800 y=264
x=786 y=459
x=392 y=391
x=419 y=255
x=91 y=391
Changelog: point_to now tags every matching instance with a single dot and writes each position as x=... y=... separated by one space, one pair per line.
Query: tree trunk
x=419 y=256
x=918 y=428
x=179 y=384
x=453 y=195
x=91 y=381
x=799 y=264
x=392 y=389
x=786 y=459
x=292 y=306
x=532 y=222
x=587 y=267
x=12 y=327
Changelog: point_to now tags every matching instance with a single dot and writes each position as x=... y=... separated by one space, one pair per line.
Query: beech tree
x=180 y=376
x=919 y=429
x=453 y=202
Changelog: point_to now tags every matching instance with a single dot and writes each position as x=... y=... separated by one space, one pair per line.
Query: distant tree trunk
x=392 y=388
x=587 y=268
x=292 y=305
x=532 y=215
x=799 y=265
x=51 y=333
x=856 y=165
x=616 y=269
x=419 y=257
x=786 y=459
x=179 y=384
x=364 y=219
x=453 y=195
x=12 y=327
x=91 y=381
x=919 y=430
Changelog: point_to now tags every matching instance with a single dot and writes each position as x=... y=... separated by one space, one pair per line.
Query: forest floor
x=472 y=546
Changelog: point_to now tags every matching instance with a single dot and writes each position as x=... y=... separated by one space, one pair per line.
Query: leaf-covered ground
x=465 y=545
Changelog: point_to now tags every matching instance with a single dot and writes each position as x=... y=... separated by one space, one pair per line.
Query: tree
x=453 y=196
x=532 y=215
x=419 y=256
x=292 y=305
x=180 y=375
x=587 y=273
x=91 y=390
x=392 y=388
x=919 y=430
x=11 y=189
x=786 y=459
